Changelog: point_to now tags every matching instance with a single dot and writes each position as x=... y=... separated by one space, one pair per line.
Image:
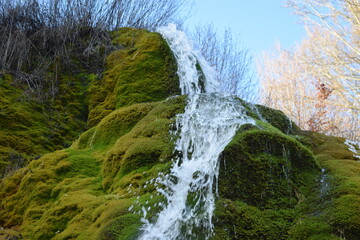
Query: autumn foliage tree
x=318 y=121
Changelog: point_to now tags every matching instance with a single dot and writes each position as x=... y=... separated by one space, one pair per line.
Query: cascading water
x=208 y=124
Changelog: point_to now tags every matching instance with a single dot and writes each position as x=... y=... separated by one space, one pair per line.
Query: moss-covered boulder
x=263 y=174
x=264 y=168
x=143 y=69
x=331 y=208
x=30 y=127
x=271 y=186
x=85 y=191
x=268 y=192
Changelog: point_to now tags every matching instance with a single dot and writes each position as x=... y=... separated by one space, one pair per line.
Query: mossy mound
x=262 y=167
x=263 y=174
x=276 y=118
x=331 y=210
x=85 y=191
x=143 y=69
x=270 y=186
x=30 y=127
x=270 y=183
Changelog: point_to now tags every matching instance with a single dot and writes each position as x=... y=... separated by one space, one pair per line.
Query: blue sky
x=259 y=23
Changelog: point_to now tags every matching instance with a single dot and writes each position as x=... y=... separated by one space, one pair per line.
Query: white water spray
x=205 y=128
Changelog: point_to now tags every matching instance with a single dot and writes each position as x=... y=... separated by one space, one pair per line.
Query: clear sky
x=259 y=23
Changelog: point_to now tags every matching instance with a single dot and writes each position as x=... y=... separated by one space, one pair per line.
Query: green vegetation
x=238 y=220
x=270 y=185
x=263 y=176
x=331 y=210
x=30 y=127
x=86 y=190
x=142 y=70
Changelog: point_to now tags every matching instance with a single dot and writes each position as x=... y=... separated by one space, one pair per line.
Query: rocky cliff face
x=275 y=182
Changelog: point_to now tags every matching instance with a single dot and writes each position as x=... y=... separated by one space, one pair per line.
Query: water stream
x=205 y=128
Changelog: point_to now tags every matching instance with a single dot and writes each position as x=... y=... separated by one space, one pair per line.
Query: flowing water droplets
x=205 y=128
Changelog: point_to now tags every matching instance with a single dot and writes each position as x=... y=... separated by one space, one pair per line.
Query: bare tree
x=231 y=61
x=284 y=84
x=305 y=83
x=336 y=30
x=338 y=17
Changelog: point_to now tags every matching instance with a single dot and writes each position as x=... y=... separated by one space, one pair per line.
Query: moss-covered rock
x=59 y=195
x=270 y=186
x=263 y=173
x=31 y=125
x=29 y=128
x=330 y=211
x=276 y=118
x=143 y=69
x=85 y=191
x=262 y=167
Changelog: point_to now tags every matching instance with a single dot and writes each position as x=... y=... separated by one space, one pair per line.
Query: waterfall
x=205 y=128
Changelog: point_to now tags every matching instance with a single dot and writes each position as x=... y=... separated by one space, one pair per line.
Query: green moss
x=118 y=229
x=264 y=176
x=329 y=211
x=79 y=163
x=143 y=70
x=143 y=153
x=265 y=168
x=147 y=144
x=21 y=135
x=115 y=125
x=346 y=219
x=11 y=233
x=312 y=228
x=237 y=220
x=31 y=127
x=277 y=118
x=61 y=195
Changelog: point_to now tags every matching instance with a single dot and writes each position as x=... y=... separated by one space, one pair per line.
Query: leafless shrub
x=37 y=35
x=231 y=61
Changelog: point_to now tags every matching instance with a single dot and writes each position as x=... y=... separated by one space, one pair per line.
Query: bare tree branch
x=230 y=60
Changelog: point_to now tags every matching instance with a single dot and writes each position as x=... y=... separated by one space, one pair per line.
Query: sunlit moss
x=30 y=127
x=61 y=195
x=263 y=174
x=142 y=70
x=329 y=212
